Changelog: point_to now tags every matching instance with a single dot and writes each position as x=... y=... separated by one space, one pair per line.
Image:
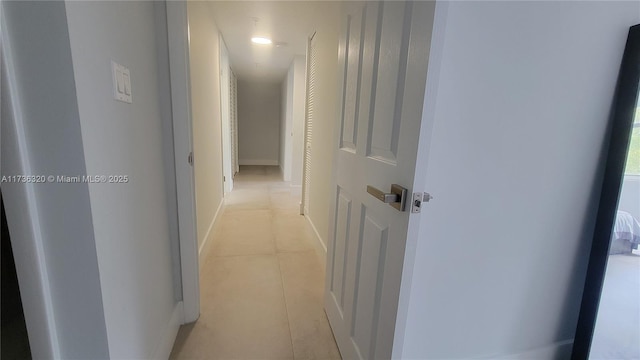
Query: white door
x=384 y=52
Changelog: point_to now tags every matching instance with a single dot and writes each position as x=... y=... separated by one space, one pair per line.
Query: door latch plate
x=417 y=200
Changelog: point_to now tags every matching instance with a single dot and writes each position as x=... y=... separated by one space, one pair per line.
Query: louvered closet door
x=308 y=133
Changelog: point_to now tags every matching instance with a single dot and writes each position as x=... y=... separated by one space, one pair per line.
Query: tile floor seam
x=284 y=293
x=286 y=307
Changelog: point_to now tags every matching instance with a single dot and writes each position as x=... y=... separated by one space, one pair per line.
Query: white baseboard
x=163 y=349
x=558 y=350
x=212 y=226
x=318 y=244
x=258 y=162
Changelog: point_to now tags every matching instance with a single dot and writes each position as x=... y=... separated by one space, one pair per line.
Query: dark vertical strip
x=621 y=122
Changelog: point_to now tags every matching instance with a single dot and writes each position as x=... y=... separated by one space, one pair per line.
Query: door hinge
x=190 y=158
x=417 y=200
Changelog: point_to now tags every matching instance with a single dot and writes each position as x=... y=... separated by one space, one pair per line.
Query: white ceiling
x=289 y=22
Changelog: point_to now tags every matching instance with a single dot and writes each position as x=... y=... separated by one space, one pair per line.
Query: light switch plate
x=121 y=83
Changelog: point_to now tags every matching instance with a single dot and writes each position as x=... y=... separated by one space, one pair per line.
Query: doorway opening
x=261 y=264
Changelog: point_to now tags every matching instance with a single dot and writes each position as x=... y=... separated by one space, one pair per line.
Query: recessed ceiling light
x=261 y=40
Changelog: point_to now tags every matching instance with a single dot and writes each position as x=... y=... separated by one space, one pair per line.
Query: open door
x=383 y=51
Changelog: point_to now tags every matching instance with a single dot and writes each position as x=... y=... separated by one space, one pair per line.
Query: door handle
x=396 y=198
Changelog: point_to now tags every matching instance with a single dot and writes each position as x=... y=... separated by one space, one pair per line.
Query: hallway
x=261 y=280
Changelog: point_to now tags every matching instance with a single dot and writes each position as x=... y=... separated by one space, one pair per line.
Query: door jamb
x=21 y=209
x=225 y=123
x=414 y=230
x=178 y=40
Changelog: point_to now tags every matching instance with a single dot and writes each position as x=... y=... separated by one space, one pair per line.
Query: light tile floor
x=261 y=281
x=617 y=330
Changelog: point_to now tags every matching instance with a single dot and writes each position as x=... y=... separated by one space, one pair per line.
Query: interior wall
x=204 y=51
x=63 y=301
x=259 y=122
x=325 y=122
x=525 y=98
x=130 y=219
x=298 y=101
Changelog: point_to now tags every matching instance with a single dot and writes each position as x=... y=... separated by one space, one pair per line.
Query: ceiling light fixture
x=261 y=40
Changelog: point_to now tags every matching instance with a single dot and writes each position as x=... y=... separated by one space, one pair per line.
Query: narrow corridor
x=261 y=280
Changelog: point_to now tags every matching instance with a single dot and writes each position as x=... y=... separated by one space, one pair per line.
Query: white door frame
x=21 y=209
x=420 y=176
x=178 y=39
x=225 y=116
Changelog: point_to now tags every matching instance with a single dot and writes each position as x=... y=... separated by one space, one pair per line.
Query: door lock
x=417 y=200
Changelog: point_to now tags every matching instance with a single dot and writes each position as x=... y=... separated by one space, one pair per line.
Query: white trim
x=420 y=175
x=557 y=350
x=178 y=40
x=258 y=162
x=225 y=115
x=24 y=224
x=214 y=223
x=318 y=245
x=163 y=349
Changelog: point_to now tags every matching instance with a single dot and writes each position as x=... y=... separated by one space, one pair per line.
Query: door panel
x=383 y=54
x=352 y=81
x=370 y=261
x=339 y=256
x=389 y=73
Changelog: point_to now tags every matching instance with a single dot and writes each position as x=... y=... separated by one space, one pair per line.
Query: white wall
x=522 y=97
x=259 y=122
x=298 y=101
x=56 y=260
x=130 y=220
x=204 y=50
x=325 y=121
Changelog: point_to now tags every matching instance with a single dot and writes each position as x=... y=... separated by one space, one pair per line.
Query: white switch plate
x=121 y=83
